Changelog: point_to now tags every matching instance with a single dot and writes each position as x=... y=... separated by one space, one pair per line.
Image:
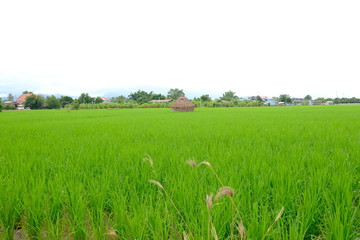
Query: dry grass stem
x=228 y=191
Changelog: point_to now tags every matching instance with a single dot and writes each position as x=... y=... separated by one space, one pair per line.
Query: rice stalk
x=275 y=220
x=172 y=202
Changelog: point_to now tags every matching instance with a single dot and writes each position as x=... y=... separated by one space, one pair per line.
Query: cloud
x=265 y=48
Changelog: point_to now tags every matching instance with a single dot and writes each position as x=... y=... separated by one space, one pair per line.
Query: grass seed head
x=149 y=159
x=185 y=236
x=213 y=232
x=241 y=229
x=157 y=183
x=228 y=191
x=112 y=234
x=209 y=201
x=279 y=214
x=191 y=163
x=205 y=163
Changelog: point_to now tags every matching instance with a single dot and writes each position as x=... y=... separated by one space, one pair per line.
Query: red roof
x=105 y=99
x=21 y=99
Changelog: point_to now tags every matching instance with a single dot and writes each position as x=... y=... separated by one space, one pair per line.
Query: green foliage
x=9 y=107
x=51 y=102
x=285 y=98
x=175 y=93
x=157 y=96
x=1 y=105
x=321 y=99
x=88 y=177
x=304 y=103
x=205 y=98
x=85 y=98
x=229 y=96
x=259 y=99
x=140 y=96
x=26 y=92
x=308 y=97
x=119 y=99
x=34 y=102
x=65 y=100
x=345 y=100
x=75 y=104
x=98 y=100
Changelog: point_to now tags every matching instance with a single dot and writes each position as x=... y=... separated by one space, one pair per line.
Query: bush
x=304 y=103
x=75 y=105
x=10 y=107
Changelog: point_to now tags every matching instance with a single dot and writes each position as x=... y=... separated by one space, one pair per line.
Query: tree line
x=142 y=98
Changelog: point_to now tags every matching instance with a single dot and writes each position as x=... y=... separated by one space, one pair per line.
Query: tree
x=98 y=100
x=175 y=93
x=34 y=101
x=308 y=97
x=304 y=103
x=26 y=92
x=65 y=100
x=285 y=98
x=75 y=104
x=52 y=102
x=205 y=98
x=140 y=96
x=119 y=99
x=157 y=96
x=229 y=96
x=85 y=98
x=322 y=99
x=10 y=97
x=1 y=105
x=259 y=99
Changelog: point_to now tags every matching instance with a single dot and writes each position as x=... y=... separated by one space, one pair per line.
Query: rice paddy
x=281 y=172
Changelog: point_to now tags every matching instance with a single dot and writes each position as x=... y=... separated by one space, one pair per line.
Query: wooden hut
x=183 y=105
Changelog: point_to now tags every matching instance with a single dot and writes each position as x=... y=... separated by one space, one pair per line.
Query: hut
x=183 y=105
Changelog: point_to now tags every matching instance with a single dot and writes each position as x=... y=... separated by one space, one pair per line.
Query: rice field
x=265 y=173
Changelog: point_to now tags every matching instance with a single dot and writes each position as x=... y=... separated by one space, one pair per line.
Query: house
x=270 y=102
x=20 y=101
x=298 y=100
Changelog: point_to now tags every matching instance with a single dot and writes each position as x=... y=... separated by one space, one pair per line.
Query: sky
x=111 y=48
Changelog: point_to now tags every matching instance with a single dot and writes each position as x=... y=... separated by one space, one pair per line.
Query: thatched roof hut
x=183 y=105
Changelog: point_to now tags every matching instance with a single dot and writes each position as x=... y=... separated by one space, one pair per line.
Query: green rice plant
x=79 y=172
x=11 y=209
x=172 y=203
x=77 y=211
x=34 y=210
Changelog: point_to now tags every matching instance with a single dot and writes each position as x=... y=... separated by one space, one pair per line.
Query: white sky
x=204 y=47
